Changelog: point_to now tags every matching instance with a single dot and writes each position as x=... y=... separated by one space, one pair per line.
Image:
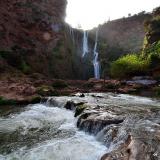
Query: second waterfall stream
x=96 y=63
x=95 y=60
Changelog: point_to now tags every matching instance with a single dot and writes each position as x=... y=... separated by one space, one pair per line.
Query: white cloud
x=90 y=13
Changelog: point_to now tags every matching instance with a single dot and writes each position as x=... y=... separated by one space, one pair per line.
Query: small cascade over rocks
x=95 y=123
x=127 y=125
x=85 y=43
x=123 y=126
x=46 y=131
x=96 y=63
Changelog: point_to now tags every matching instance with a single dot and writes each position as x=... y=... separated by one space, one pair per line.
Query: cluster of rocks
x=27 y=88
x=130 y=132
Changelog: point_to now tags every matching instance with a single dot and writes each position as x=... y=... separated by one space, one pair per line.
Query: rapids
x=45 y=132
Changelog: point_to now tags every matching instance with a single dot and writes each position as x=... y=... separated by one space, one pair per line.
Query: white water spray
x=85 y=43
x=95 y=60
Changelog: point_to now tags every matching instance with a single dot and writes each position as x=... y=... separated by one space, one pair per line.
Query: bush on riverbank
x=149 y=59
x=129 y=65
x=4 y=101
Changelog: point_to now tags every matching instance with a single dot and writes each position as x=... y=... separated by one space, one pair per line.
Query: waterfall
x=95 y=60
x=72 y=34
x=85 y=43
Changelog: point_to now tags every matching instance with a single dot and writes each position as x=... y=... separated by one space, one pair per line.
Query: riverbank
x=31 y=89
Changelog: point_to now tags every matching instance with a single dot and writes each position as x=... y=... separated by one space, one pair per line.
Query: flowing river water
x=47 y=131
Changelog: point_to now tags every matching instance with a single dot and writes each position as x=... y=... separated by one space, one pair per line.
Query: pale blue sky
x=90 y=13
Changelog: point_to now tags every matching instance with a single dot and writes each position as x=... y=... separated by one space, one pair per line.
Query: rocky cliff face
x=152 y=28
x=30 y=24
x=122 y=36
x=34 y=38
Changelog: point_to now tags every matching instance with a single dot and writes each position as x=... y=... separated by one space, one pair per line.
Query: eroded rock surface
x=129 y=126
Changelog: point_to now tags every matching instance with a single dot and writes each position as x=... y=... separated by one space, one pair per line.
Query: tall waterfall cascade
x=72 y=34
x=96 y=63
x=85 y=43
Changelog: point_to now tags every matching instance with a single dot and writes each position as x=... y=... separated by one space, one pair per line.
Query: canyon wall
x=35 y=39
x=122 y=36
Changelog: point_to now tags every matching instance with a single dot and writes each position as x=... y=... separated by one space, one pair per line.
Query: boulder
x=94 y=123
x=70 y=105
x=80 y=109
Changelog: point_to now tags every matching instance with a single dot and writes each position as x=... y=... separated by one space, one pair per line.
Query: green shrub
x=157 y=91
x=129 y=65
x=4 y=101
x=79 y=110
x=24 y=67
x=153 y=54
x=154 y=48
x=45 y=90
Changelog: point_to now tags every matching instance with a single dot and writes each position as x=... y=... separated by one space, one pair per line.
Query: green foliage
x=60 y=84
x=4 y=54
x=154 y=48
x=25 y=68
x=152 y=28
x=35 y=99
x=16 y=58
x=156 y=11
x=4 y=101
x=149 y=59
x=157 y=91
x=153 y=25
x=45 y=90
x=153 y=54
x=80 y=109
x=129 y=65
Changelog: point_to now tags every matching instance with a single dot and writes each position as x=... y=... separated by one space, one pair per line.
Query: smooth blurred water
x=85 y=43
x=96 y=63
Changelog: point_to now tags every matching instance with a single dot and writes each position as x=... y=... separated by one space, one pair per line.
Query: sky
x=90 y=13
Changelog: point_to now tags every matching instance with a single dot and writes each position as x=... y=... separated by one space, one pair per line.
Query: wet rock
x=134 y=149
x=45 y=90
x=35 y=99
x=141 y=78
x=143 y=82
x=97 y=96
x=30 y=90
x=122 y=154
x=127 y=90
x=90 y=123
x=80 y=103
x=70 y=105
x=82 y=95
x=80 y=109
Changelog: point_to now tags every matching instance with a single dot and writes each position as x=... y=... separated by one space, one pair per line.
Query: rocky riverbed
x=129 y=126
x=90 y=126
